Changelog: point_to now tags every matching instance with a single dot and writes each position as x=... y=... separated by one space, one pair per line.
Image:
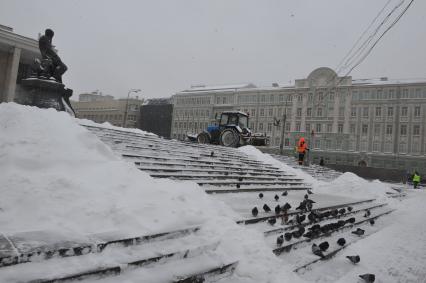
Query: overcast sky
x=163 y=47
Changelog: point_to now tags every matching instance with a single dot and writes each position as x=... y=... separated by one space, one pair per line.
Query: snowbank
x=107 y=125
x=55 y=175
x=349 y=184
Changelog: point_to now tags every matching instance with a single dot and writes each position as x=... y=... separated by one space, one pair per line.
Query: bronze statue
x=50 y=65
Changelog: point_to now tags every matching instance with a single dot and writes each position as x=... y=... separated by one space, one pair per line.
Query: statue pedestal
x=44 y=94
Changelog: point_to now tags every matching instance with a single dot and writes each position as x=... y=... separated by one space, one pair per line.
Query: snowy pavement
x=59 y=182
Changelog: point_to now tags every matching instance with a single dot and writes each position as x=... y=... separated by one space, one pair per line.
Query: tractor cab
x=231 y=130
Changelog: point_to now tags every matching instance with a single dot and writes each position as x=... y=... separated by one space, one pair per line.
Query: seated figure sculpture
x=50 y=65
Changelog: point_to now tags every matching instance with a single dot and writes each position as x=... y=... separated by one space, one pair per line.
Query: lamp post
x=127 y=106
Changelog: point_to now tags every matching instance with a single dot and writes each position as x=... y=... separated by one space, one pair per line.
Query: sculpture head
x=49 y=33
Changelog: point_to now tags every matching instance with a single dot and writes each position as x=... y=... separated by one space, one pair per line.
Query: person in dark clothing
x=321 y=163
x=48 y=52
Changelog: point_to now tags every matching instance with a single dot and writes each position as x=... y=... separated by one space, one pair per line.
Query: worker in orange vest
x=302 y=147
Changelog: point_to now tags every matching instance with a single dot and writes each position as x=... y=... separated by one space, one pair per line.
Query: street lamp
x=127 y=106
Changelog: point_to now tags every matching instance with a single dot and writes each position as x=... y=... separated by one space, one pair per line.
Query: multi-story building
x=373 y=122
x=104 y=108
x=17 y=55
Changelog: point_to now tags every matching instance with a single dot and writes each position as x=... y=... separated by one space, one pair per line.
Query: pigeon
x=306 y=196
x=240 y=179
x=358 y=232
x=324 y=246
x=296 y=234
x=288 y=236
x=286 y=206
x=341 y=242
x=238 y=186
x=276 y=197
x=316 y=250
x=300 y=218
x=342 y=211
x=266 y=208
x=372 y=222
x=260 y=195
x=277 y=209
x=351 y=220
x=284 y=193
x=353 y=258
x=272 y=221
x=309 y=192
x=308 y=234
x=368 y=277
x=212 y=154
x=312 y=217
x=341 y=223
x=367 y=213
x=302 y=206
x=280 y=240
x=254 y=211
x=350 y=208
x=334 y=212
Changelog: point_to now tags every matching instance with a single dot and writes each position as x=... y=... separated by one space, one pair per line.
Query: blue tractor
x=232 y=131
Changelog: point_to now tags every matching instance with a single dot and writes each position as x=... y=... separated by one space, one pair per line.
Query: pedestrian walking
x=302 y=147
x=416 y=179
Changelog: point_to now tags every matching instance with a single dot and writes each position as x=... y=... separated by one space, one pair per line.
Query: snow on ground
x=57 y=176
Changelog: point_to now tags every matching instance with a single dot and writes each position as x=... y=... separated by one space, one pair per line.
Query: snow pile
x=107 y=125
x=349 y=184
x=57 y=176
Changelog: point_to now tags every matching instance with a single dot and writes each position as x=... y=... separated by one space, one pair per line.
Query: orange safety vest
x=301 y=148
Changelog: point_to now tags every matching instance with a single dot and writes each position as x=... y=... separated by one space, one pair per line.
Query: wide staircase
x=183 y=255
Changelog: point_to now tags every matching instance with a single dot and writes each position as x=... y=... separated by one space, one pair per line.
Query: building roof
x=387 y=81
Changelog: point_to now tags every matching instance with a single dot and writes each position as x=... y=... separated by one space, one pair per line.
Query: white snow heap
x=57 y=176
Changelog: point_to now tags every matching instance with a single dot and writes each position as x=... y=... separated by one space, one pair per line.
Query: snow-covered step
x=296 y=244
x=230 y=177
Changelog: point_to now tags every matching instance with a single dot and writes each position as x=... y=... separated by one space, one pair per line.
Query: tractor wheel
x=203 y=138
x=230 y=138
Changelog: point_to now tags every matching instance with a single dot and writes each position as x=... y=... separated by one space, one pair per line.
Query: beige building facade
x=17 y=54
x=374 y=122
x=101 y=108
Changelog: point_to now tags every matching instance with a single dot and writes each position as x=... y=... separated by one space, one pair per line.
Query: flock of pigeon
x=315 y=230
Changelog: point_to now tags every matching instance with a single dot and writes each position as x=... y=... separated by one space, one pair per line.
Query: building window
x=388 y=147
x=317 y=143
x=260 y=126
x=269 y=127
x=417 y=111
x=364 y=129
x=403 y=130
x=352 y=129
x=310 y=97
x=297 y=127
x=377 y=130
x=416 y=130
x=353 y=111
x=329 y=128
x=402 y=148
x=318 y=128
x=299 y=112
x=253 y=112
x=327 y=144
x=404 y=111
x=341 y=111
x=375 y=146
x=390 y=111
x=365 y=111
x=319 y=112
x=286 y=142
x=309 y=112
x=363 y=146
x=389 y=130
x=262 y=112
x=340 y=128
x=287 y=127
x=378 y=111
x=308 y=128
x=299 y=98
x=404 y=93
x=270 y=112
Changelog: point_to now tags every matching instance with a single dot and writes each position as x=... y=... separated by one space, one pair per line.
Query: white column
x=12 y=74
